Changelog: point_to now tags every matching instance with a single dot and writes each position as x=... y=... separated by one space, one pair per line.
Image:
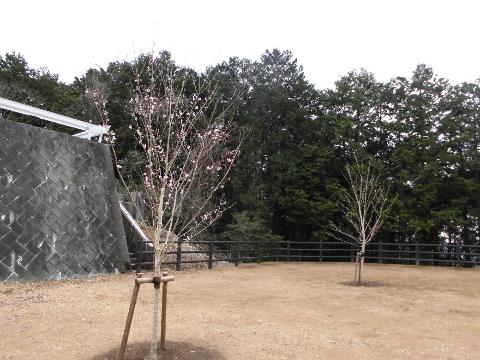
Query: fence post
x=277 y=251
x=259 y=256
x=458 y=256
x=399 y=259
x=352 y=257
x=210 y=253
x=380 y=253
x=288 y=249
x=139 y=255
x=417 y=254
x=320 y=255
x=237 y=252
x=178 y=265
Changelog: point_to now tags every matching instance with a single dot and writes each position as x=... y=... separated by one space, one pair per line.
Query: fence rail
x=236 y=252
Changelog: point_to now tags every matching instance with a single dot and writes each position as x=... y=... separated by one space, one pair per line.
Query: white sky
x=329 y=38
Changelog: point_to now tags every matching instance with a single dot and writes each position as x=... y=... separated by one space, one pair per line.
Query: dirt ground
x=266 y=311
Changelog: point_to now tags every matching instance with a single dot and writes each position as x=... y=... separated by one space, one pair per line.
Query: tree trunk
x=154 y=340
x=360 y=270
x=355 y=275
x=158 y=271
x=362 y=260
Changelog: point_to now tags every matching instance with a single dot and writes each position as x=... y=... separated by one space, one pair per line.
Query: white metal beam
x=134 y=224
x=92 y=132
x=89 y=130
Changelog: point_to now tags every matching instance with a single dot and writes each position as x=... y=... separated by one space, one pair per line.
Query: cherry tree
x=364 y=205
x=189 y=148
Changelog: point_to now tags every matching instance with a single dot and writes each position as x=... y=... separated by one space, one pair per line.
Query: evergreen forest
x=421 y=132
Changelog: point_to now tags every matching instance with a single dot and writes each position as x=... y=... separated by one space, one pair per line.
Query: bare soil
x=267 y=311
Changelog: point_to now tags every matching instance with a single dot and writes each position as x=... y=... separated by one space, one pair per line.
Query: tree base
x=156 y=280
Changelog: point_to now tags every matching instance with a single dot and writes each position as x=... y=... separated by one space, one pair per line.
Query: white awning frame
x=89 y=131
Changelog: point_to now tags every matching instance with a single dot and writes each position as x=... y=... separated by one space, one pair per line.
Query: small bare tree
x=364 y=205
x=189 y=150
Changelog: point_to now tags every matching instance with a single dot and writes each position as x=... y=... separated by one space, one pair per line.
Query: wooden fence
x=258 y=251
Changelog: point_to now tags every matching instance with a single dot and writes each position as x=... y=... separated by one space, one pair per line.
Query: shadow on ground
x=175 y=351
x=364 y=284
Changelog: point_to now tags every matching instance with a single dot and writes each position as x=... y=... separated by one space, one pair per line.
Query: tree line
x=421 y=133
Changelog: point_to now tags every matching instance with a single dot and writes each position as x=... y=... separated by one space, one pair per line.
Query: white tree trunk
x=159 y=231
x=355 y=275
x=158 y=271
x=362 y=259
x=154 y=340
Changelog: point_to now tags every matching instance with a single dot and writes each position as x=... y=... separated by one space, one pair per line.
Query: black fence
x=238 y=252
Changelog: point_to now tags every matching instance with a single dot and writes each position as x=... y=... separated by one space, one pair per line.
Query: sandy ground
x=267 y=311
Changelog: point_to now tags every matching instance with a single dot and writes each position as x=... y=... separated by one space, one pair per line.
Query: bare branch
x=364 y=205
x=190 y=150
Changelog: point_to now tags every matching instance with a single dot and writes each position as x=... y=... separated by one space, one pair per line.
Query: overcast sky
x=329 y=38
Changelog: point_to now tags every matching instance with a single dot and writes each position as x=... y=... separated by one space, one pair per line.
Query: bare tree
x=364 y=205
x=189 y=150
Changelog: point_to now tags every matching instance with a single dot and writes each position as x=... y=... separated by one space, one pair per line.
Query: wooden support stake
x=128 y=324
x=163 y=320
x=156 y=281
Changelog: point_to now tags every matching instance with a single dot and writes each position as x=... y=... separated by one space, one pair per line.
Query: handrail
x=134 y=224
x=89 y=130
